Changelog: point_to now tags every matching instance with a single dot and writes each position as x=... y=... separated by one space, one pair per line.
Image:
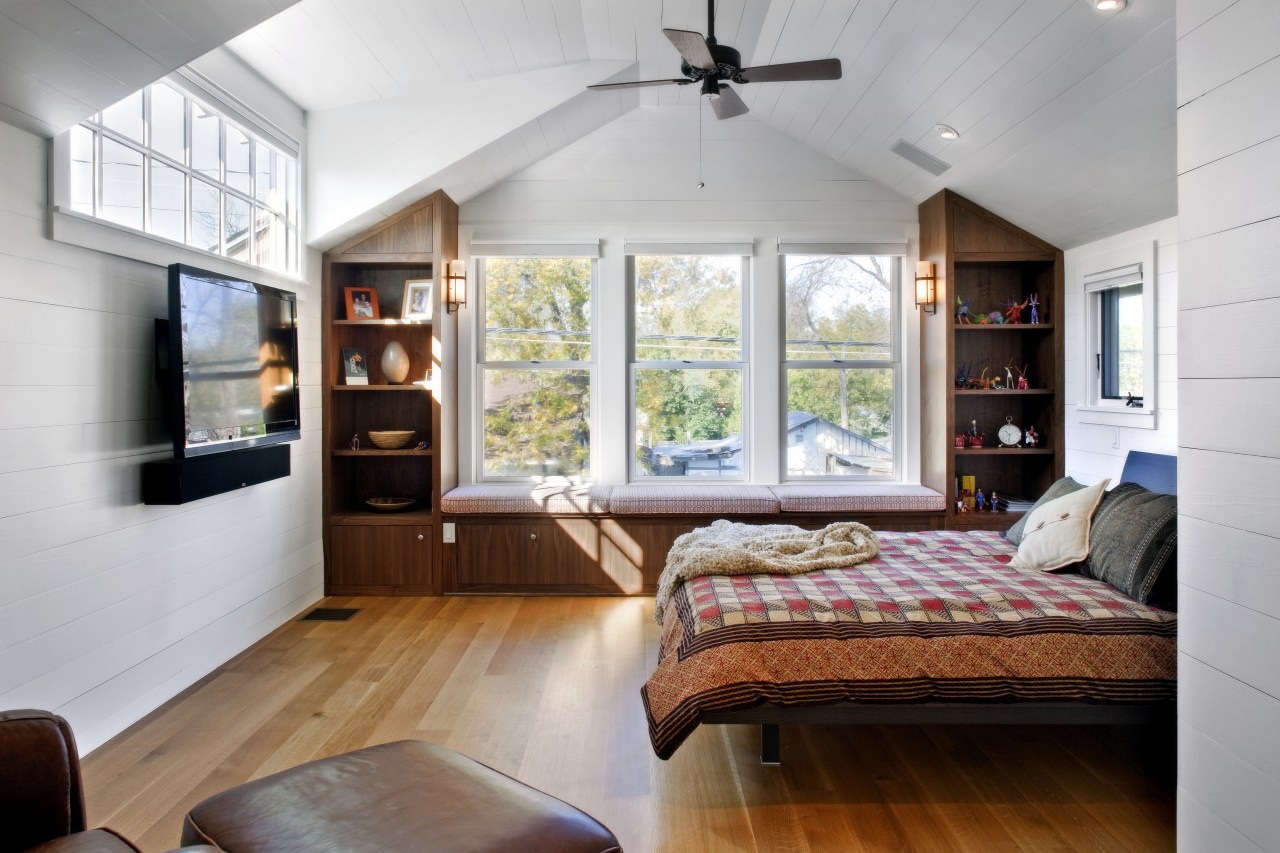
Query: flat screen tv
x=233 y=355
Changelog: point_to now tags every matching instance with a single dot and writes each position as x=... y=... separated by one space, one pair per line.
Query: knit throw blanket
x=732 y=548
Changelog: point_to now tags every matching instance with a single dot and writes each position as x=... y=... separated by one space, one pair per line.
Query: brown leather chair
x=403 y=796
x=41 y=794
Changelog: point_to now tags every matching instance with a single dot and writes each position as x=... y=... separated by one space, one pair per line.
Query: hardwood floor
x=547 y=690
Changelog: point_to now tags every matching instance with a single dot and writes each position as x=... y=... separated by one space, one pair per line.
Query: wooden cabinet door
x=380 y=560
x=560 y=555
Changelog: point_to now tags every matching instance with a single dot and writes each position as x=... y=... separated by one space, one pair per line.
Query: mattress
x=938 y=616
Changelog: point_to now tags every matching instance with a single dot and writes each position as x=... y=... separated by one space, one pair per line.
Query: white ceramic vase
x=395 y=363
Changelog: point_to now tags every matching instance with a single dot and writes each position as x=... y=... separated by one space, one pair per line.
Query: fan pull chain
x=700 y=183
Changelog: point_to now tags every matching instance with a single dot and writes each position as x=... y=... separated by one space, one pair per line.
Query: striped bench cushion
x=524 y=498
x=858 y=498
x=694 y=500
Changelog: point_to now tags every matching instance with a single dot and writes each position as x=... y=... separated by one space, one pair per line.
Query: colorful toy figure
x=1034 y=303
x=1032 y=437
x=1023 y=384
x=355 y=441
x=1013 y=310
x=962 y=310
x=980 y=500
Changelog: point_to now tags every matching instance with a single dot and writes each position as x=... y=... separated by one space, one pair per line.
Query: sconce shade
x=455 y=285
x=926 y=284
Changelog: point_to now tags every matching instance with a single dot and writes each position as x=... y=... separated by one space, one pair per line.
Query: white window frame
x=481 y=254
x=897 y=253
x=1125 y=266
x=91 y=231
x=744 y=251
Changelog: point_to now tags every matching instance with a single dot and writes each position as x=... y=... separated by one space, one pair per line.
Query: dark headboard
x=1155 y=471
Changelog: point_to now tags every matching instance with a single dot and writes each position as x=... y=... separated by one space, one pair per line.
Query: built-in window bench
x=614 y=539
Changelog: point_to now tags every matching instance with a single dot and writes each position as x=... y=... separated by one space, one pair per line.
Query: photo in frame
x=355 y=366
x=418 y=295
x=362 y=303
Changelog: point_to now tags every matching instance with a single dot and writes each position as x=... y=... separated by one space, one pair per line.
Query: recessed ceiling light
x=1108 y=5
x=946 y=131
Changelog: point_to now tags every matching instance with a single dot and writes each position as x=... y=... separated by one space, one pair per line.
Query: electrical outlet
x=450 y=532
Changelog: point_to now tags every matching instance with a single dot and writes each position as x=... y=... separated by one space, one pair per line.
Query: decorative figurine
x=355 y=441
x=972 y=432
x=1013 y=310
x=980 y=501
x=962 y=376
x=1032 y=437
x=995 y=500
x=1023 y=385
x=1008 y=378
x=1034 y=303
x=962 y=310
x=960 y=439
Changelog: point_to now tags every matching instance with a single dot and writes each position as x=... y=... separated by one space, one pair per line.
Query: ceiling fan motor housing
x=728 y=64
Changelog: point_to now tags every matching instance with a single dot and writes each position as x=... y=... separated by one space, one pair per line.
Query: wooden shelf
x=990 y=261
x=390 y=321
x=367 y=388
x=389 y=553
x=408 y=451
x=412 y=517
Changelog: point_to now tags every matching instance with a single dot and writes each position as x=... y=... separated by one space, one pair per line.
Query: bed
x=937 y=628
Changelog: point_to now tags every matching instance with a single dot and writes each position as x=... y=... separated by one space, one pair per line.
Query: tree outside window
x=841 y=365
x=536 y=367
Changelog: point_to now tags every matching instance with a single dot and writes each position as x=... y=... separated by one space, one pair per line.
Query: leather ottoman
x=402 y=796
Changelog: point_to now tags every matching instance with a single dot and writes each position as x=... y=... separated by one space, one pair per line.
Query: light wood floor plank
x=547 y=689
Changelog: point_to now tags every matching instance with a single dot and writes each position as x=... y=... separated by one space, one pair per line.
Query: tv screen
x=236 y=343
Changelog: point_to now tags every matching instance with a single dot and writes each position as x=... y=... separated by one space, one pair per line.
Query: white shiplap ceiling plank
x=571 y=29
x=984 y=60
x=491 y=29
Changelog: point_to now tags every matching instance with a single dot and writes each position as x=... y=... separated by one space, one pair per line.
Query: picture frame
x=419 y=297
x=355 y=366
x=362 y=303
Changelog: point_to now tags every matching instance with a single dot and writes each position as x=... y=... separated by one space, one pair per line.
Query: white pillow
x=1057 y=533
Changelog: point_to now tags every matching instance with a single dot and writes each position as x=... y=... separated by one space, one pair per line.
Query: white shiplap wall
x=109 y=607
x=636 y=178
x=1229 y=453
x=1095 y=451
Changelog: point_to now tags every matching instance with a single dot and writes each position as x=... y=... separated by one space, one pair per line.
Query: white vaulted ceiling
x=1066 y=114
x=63 y=60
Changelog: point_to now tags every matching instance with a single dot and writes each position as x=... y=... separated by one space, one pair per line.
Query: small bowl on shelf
x=391 y=439
x=389 y=504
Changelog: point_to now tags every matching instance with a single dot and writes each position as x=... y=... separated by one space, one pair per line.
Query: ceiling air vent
x=914 y=155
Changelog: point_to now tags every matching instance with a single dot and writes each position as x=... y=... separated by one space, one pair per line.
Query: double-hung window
x=688 y=365
x=535 y=367
x=164 y=163
x=842 y=366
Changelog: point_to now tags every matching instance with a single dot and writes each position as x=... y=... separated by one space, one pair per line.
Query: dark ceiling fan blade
x=693 y=47
x=637 y=83
x=728 y=104
x=815 y=69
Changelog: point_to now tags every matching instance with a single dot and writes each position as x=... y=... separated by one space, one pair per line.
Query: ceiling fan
x=709 y=63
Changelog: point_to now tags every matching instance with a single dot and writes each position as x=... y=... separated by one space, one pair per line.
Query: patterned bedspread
x=938 y=616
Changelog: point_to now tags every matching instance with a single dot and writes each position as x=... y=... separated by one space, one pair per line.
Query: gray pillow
x=1063 y=487
x=1133 y=538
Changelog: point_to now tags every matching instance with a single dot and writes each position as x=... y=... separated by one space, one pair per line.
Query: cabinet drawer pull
x=420 y=537
x=533 y=536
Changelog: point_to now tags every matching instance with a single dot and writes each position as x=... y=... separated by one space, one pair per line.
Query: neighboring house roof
x=729 y=446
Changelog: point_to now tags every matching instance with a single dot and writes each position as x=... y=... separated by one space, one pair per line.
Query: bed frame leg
x=770 y=744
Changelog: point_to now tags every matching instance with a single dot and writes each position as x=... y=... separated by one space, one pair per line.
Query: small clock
x=1009 y=434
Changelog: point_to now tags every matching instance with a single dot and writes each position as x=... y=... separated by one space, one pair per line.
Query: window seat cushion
x=692 y=500
x=857 y=497
x=527 y=499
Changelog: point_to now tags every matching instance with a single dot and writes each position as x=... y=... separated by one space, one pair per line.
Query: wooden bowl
x=389 y=504
x=391 y=439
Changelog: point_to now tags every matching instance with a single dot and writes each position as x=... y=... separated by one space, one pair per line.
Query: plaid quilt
x=939 y=615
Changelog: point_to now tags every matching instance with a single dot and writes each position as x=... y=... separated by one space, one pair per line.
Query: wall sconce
x=926 y=287
x=455 y=286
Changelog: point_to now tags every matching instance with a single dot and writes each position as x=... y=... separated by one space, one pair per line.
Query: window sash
x=277 y=253
x=893 y=363
x=485 y=366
